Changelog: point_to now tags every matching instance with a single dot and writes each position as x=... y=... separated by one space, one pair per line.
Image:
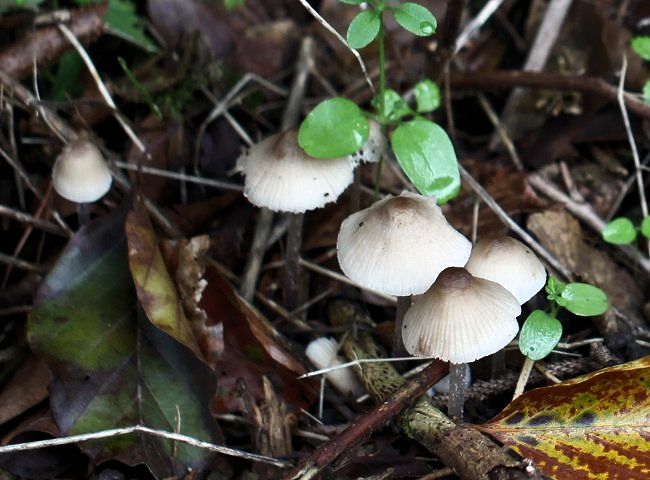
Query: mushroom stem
x=403 y=304
x=457 y=387
x=523 y=377
x=293 y=297
x=83 y=213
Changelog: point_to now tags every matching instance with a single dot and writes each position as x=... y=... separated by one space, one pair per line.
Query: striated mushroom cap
x=399 y=245
x=80 y=173
x=461 y=318
x=509 y=263
x=282 y=177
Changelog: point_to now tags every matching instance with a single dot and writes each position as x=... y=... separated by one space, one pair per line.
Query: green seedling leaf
x=539 y=335
x=645 y=227
x=394 y=107
x=554 y=288
x=66 y=84
x=583 y=299
x=641 y=45
x=352 y=2
x=335 y=128
x=123 y=21
x=427 y=156
x=646 y=92
x=415 y=18
x=619 y=231
x=111 y=366
x=6 y=5
x=363 y=29
x=427 y=96
x=589 y=428
x=232 y=4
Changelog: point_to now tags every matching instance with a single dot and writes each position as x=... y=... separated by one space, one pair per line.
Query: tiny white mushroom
x=375 y=146
x=509 y=263
x=80 y=173
x=461 y=318
x=322 y=353
x=399 y=245
x=280 y=176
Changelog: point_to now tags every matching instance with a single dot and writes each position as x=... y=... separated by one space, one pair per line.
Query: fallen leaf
x=111 y=366
x=26 y=389
x=595 y=426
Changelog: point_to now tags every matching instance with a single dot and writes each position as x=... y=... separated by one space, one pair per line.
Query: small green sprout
x=422 y=148
x=641 y=45
x=542 y=330
x=622 y=231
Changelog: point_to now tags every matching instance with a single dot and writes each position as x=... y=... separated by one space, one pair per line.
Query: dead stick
x=46 y=44
x=311 y=466
x=507 y=79
x=448 y=34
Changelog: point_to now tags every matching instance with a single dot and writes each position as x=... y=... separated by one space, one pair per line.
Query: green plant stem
x=382 y=70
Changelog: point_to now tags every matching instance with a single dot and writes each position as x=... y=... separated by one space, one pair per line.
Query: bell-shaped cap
x=322 y=353
x=282 y=177
x=375 y=146
x=461 y=318
x=80 y=173
x=509 y=263
x=399 y=245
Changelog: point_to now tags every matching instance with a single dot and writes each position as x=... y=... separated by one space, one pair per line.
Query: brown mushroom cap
x=461 y=318
x=399 y=245
x=282 y=177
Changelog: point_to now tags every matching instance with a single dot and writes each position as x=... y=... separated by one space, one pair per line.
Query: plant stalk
x=293 y=297
x=523 y=377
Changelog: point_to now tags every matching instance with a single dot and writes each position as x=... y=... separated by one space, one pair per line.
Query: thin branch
x=117 y=432
x=31 y=220
x=507 y=79
x=447 y=39
x=338 y=36
x=477 y=22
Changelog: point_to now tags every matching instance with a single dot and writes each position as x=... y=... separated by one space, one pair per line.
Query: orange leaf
x=592 y=427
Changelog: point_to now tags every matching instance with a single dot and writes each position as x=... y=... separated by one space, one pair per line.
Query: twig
x=338 y=36
x=100 y=86
x=584 y=212
x=31 y=220
x=179 y=176
x=116 y=432
x=356 y=363
x=44 y=45
x=477 y=22
x=505 y=218
x=630 y=137
x=22 y=264
x=501 y=131
x=328 y=452
x=507 y=79
x=447 y=39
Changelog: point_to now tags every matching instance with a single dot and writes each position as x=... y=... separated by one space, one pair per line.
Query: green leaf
x=123 y=21
x=232 y=4
x=645 y=227
x=6 y=5
x=641 y=45
x=539 y=335
x=111 y=366
x=619 y=231
x=646 y=92
x=363 y=29
x=583 y=299
x=335 y=128
x=66 y=84
x=415 y=18
x=352 y=2
x=427 y=156
x=394 y=107
x=554 y=288
x=427 y=96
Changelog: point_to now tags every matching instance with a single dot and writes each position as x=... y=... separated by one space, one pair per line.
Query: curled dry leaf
x=592 y=427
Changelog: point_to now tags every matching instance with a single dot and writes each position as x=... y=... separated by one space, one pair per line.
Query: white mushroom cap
x=375 y=145
x=80 y=173
x=399 y=245
x=322 y=353
x=509 y=263
x=282 y=177
x=461 y=318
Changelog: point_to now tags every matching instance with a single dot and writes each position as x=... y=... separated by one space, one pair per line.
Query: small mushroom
x=375 y=146
x=509 y=263
x=322 y=353
x=461 y=318
x=80 y=173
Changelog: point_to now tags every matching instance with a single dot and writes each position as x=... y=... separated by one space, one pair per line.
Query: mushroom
x=81 y=175
x=322 y=353
x=399 y=246
x=280 y=176
x=509 y=263
x=461 y=318
x=375 y=146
